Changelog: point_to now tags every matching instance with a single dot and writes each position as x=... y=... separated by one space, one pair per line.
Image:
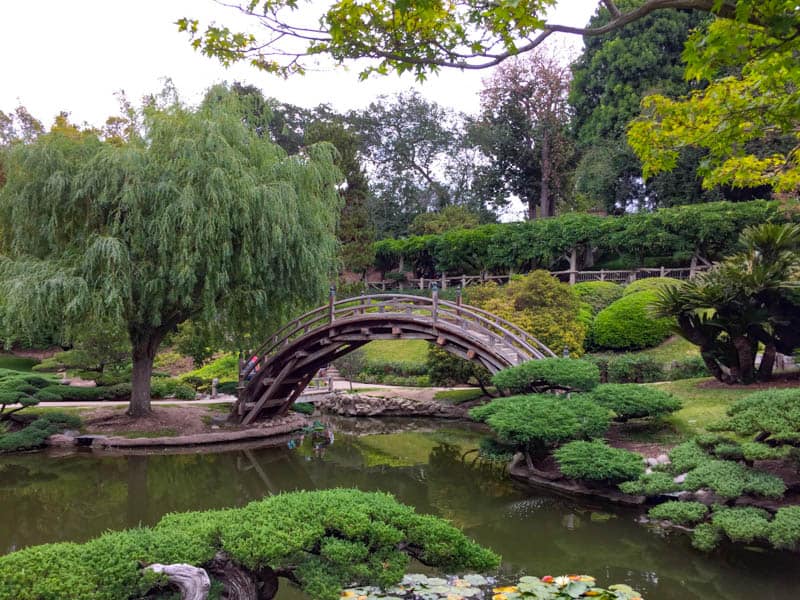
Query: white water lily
x=561 y=581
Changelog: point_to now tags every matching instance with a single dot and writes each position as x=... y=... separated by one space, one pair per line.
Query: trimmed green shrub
x=628 y=324
x=686 y=456
x=391 y=367
x=630 y=401
x=597 y=461
x=169 y=388
x=539 y=304
x=687 y=368
x=160 y=387
x=731 y=480
x=305 y=408
x=547 y=373
x=491 y=449
x=784 y=530
x=680 y=513
x=225 y=368
x=540 y=422
x=326 y=539
x=773 y=415
x=35 y=433
x=741 y=524
x=648 y=283
x=651 y=484
x=598 y=294
x=634 y=368
x=447 y=370
x=706 y=537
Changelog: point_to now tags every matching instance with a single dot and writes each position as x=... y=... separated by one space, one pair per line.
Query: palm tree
x=748 y=299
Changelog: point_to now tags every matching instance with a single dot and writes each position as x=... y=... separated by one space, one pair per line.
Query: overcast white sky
x=75 y=55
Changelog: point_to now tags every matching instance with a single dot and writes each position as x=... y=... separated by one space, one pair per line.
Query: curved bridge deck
x=274 y=376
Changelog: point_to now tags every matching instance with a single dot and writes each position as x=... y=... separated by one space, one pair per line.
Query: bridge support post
x=331 y=303
x=435 y=296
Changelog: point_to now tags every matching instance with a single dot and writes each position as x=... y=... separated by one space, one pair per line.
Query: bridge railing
x=468 y=318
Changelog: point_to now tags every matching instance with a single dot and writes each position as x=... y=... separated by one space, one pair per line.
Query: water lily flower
x=499 y=597
x=547 y=579
x=562 y=581
x=506 y=589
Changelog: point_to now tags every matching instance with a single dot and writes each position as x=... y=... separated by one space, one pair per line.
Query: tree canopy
x=190 y=216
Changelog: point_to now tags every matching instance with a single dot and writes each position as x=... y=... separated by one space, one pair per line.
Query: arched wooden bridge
x=275 y=375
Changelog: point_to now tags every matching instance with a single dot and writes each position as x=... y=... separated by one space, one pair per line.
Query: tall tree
x=192 y=217
x=611 y=76
x=422 y=37
x=523 y=131
x=418 y=160
x=747 y=119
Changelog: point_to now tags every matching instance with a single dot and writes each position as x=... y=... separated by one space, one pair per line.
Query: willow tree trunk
x=144 y=352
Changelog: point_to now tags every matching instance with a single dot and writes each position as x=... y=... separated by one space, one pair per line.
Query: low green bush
x=171 y=388
x=160 y=387
x=686 y=456
x=398 y=368
x=447 y=370
x=706 y=537
x=325 y=539
x=680 y=513
x=37 y=431
x=651 y=484
x=541 y=375
x=628 y=324
x=687 y=368
x=772 y=415
x=731 y=480
x=597 y=461
x=540 y=422
x=648 y=284
x=741 y=524
x=225 y=368
x=634 y=368
x=784 y=530
x=405 y=381
x=598 y=294
x=630 y=401
x=491 y=449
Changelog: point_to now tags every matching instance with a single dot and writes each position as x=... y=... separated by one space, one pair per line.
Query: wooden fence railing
x=571 y=277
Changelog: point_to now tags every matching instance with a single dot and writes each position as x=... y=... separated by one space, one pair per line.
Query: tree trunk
x=746 y=358
x=144 y=352
x=545 y=196
x=531 y=210
x=713 y=367
x=193 y=582
x=767 y=363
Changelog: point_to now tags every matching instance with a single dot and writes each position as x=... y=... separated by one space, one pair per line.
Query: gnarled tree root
x=193 y=582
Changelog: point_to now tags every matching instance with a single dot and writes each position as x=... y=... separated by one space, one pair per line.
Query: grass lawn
x=459 y=396
x=408 y=351
x=675 y=348
x=701 y=406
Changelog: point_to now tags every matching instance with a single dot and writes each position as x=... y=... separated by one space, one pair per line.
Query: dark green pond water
x=48 y=498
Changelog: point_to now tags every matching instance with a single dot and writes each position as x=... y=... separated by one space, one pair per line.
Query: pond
x=75 y=496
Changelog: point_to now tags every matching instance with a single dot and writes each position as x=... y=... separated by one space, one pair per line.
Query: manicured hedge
x=597 y=461
x=712 y=229
x=37 y=431
x=631 y=401
x=629 y=324
x=649 y=283
x=327 y=539
x=598 y=294
x=681 y=513
x=539 y=375
x=540 y=422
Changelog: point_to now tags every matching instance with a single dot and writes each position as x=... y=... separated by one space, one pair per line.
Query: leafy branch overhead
x=420 y=37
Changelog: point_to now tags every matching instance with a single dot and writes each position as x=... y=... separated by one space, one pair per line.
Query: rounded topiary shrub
x=650 y=283
x=629 y=324
x=680 y=513
x=547 y=373
x=597 y=461
x=631 y=401
x=598 y=294
x=540 y=422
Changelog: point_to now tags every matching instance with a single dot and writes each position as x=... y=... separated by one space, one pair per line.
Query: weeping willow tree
x=180 y=214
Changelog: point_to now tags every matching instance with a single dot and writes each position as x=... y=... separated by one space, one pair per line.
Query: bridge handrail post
x=435 y=297
x=331 y=302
